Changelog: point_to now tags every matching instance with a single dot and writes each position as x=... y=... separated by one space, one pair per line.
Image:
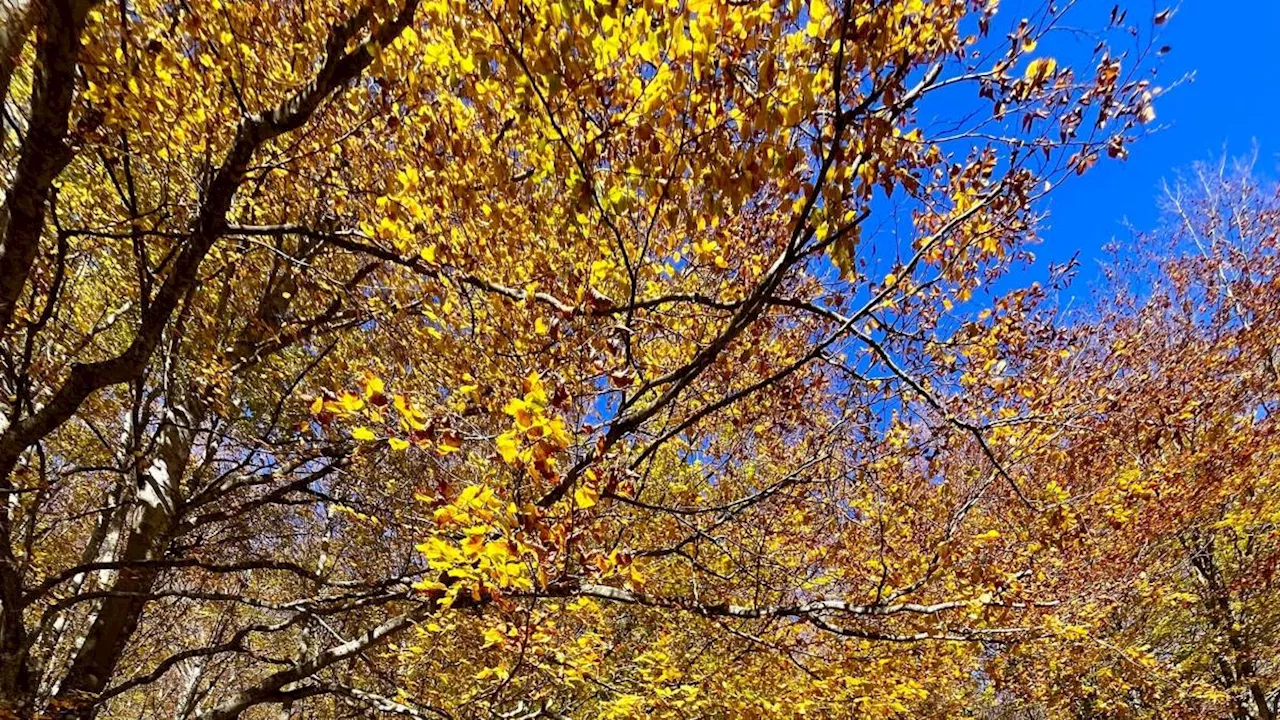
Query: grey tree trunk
x=159 y=497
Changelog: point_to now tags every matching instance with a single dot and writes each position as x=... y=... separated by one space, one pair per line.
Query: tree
x=518 y=359
x=1163 y=453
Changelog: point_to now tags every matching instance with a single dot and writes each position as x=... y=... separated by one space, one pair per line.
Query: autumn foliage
x=470 y=359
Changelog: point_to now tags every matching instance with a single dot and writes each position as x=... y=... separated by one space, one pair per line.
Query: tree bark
x=159 y=498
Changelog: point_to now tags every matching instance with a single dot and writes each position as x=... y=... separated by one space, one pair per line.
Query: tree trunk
x=159 y=497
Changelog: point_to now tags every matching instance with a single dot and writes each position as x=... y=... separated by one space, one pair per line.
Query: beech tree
x=1163 y=458
x=529 y=359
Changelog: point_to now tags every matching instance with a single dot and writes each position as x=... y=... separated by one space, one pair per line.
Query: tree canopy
x=579 y=359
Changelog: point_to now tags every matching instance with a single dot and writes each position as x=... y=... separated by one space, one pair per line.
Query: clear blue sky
x=1233 y=101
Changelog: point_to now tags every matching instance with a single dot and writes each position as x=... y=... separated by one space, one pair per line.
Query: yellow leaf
x=842 y=255
x=585 y=496
x=492 y=637
x=363 y=433
x=429 y=586
x=818 y=11
x=600 y=270
x=1040 y=68
x=508 y=446
x=497 y=552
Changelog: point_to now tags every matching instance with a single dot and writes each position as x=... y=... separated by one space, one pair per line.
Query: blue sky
x=1231 y=103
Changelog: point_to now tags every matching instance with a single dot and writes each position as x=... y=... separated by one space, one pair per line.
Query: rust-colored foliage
x=1159 y=456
